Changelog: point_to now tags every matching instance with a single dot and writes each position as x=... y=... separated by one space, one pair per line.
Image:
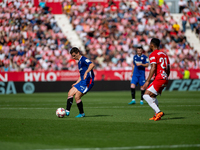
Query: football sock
x=156 y=101
x=133 y=93
x=151 y=103
x=80 y=106
x=142 y=93
x=69 y=103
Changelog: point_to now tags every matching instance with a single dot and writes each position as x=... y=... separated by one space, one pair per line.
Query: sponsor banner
x=54 y=4
x=64 y=86
x=184 y=85
x=194 y=73
x=49 y=76
x=39 y=76
x=59 y=86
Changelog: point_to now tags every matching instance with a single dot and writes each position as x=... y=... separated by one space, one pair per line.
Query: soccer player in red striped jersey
x=160 y=67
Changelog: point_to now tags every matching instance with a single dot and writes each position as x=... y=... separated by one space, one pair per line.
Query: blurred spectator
x=176 y=27
x=186 y=74
x=193 y=22
x=17 y=4
x=184 y=21
x=42 y=4
x=182 y=4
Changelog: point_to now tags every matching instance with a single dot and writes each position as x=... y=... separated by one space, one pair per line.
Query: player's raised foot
x=67 y=112
x=152 y=118
x=80 y=115
x=132 y=102
x=158 y=116
x=141 y=102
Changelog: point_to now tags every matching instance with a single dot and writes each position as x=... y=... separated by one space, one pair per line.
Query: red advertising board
x=50 y=76
x=102 y=2
x=54 y=4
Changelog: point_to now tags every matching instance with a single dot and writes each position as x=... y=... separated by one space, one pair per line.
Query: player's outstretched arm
x=90 y=67
x=151 y=73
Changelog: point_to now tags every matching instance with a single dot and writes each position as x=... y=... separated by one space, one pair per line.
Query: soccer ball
x=60 y=112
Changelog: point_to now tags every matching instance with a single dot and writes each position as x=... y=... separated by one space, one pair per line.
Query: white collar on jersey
x=139 y=56
x=80 y=58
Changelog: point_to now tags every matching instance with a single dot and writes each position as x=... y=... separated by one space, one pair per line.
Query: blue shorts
x=84 y=86
x=138 y=79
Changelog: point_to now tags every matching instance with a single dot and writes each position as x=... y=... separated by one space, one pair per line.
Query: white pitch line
x=134 y=147
x=93 y=107
x=26 y=108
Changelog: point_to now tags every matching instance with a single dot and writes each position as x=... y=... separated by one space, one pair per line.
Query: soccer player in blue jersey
x=83 y=84
x=140 y=61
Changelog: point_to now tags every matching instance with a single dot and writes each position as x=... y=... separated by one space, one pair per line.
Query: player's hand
x=85 y=75
x=145 y=85
x=139 y=64
x=73 y=84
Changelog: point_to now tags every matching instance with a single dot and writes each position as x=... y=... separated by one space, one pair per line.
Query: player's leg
x=156 y=101
x=132 y=94
x=71 y=94
x=150 y=97
x=134 y=82
x=142 y=93
x=79 y=103
x=141 y=82
x=82 y=88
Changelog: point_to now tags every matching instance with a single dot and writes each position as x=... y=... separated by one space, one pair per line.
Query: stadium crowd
x=111 y=35
x=30 y=39
x=191 y=14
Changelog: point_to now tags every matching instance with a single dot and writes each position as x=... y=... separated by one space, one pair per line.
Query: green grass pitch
x=29 y=122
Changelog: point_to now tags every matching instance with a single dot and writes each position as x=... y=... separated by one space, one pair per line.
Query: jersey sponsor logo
x=152 y=58
x=138 y=61
x=87 y=60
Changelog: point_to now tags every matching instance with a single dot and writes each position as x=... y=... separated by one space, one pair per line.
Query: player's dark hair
x=156 y=42
x=140 y=47
x=74 y=50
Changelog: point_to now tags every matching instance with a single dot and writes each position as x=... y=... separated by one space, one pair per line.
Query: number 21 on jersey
x=163 y=62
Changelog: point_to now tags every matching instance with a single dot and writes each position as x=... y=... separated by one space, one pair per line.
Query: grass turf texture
x=29 y=121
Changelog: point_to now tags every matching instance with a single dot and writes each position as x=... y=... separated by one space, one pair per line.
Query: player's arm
x=90 y=67
x=151 y=73
x=132 y=69
x=168 y=70
x=79 y=79
x=144 y=65
x=168 y=67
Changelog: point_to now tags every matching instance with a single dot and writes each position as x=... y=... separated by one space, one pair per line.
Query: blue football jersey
x=140 y=70
x=83 y=66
